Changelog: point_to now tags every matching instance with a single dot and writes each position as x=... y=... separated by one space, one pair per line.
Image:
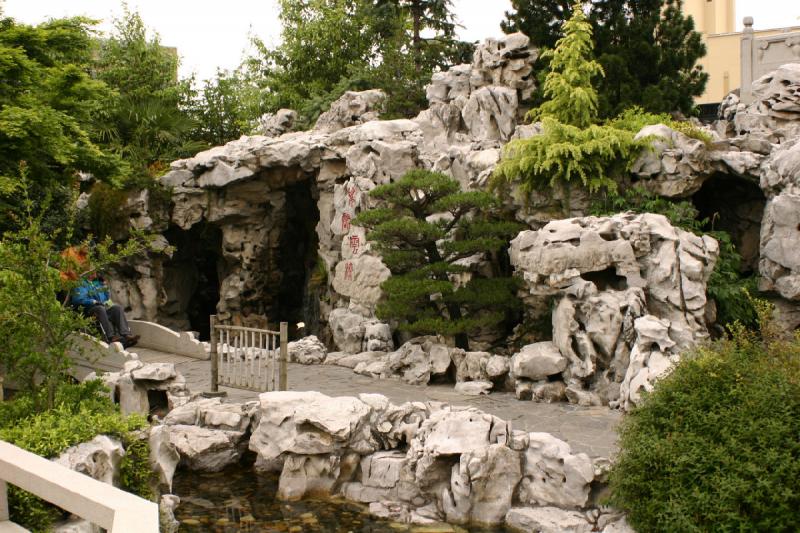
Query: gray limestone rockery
x=412 y=463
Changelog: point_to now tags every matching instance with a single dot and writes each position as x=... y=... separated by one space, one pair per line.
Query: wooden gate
x=248 y=358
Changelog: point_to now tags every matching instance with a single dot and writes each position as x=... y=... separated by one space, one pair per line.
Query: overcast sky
x=213 y=33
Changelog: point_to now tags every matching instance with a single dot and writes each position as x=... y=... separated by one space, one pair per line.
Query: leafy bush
x=726 y=286
x=81 y=412
x=106 y=211
x=595 y=157
x=716 y=446
x=635 y=118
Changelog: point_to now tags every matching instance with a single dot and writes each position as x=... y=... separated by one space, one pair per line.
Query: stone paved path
x=586 y=429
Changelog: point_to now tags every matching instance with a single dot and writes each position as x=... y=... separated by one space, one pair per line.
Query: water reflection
x=239 y=500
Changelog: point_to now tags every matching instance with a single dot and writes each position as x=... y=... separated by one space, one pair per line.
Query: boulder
x=547 y=520
x=206 y=450
x=307 y=351
x=154 y=372
x=310 y=423
x=553 y=475
x=538 y=361
x=98 y=458
x=164 y=457
x=474 y=388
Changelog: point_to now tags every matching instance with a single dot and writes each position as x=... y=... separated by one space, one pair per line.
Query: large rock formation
x=412 y=463
x=630 y=293
x=252 y=222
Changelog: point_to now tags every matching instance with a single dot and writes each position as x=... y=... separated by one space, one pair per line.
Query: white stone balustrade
x=113 y=509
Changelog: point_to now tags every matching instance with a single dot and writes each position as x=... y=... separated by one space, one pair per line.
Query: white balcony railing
x=108 y=507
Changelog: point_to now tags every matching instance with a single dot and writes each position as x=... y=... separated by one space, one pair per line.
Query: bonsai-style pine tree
x=426 y=226
x=571 y=98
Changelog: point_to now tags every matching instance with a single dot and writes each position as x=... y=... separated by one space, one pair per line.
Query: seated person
x=91 y=297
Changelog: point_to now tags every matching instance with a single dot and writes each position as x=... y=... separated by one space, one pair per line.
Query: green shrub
x=81 y=413
x=106 y=211
x=716 y=445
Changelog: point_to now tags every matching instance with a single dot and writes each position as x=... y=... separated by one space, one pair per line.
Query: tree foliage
x=51 y=111
x=569 y=148
x=715 y=446
x=148 y=123
x=38 y=328
x=331 y=46
x=647 y=48
x=425 y=229
x=570 y=96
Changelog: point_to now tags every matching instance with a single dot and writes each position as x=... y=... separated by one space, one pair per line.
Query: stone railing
x=115 y=510
x=762 y=55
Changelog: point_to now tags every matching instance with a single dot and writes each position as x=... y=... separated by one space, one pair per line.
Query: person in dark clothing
x=91 y=296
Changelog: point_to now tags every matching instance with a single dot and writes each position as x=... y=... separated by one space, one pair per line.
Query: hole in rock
x=192 y=277
x=159 y=405
x=606 y=279
x=734 y=205
x=302 y=278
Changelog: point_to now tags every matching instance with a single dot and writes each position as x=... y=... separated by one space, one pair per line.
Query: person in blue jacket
x=91 y=297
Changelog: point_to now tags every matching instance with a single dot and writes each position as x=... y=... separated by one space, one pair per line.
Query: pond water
x=238 y=499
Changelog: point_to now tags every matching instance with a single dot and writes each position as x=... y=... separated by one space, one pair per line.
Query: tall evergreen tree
x=648 y=49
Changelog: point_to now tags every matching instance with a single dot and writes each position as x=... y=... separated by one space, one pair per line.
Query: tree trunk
x=462 y=340
x=416 y=16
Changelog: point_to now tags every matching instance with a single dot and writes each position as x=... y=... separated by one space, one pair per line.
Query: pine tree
x=570 y=148
x=568 y=86
x=422 y=251
x=647 y=48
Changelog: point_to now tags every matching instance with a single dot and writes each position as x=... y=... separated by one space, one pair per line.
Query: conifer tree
x=423 y=252
x=570 y=148
x=568 y=86
x=648 y=48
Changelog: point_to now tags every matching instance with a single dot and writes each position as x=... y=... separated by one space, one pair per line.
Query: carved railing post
x=213 y=354
x=747 y=51
x=282 y=384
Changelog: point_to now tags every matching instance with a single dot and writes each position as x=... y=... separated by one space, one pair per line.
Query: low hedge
x=716 y=445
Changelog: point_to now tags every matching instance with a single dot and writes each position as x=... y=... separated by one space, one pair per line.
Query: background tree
x=422 y=294
x=648 y=49
x=570 y=148
x=225 y=107
x=331 y=46
x=148 y=123
x=51 y=114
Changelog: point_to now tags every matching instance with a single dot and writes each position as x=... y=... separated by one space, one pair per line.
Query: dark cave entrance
x=734 y=205
x=192 y=277
x=298 y=295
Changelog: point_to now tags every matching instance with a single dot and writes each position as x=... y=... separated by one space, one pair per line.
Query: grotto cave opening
x=734 y=205
x=192 y=278
x=298 y=293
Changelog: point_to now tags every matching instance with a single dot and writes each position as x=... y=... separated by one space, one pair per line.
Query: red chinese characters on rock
x=351 y=196
x=345 y=222
x=355 y=243
x=348 y=271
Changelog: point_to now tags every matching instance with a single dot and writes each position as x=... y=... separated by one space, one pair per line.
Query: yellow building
x=716 y=20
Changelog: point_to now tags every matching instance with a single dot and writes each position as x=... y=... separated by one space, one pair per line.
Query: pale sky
x=213 y=33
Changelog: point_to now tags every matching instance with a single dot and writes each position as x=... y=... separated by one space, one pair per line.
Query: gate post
x=282 y=385
x=213 y=354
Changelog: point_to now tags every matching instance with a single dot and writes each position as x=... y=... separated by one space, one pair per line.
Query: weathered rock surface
x=307 y=351
x=538 y=361
x=99 y=459
x=547 y=520
x=204 y=449
x=605 y=273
